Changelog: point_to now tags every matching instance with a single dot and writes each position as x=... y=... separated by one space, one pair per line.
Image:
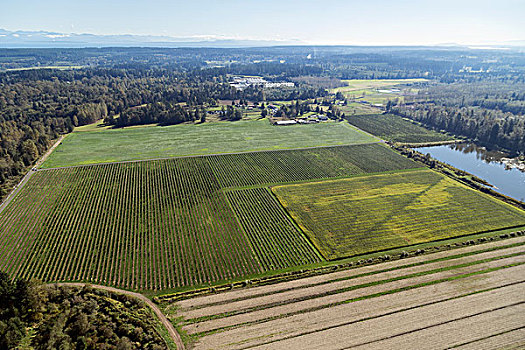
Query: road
x=163 y=319
x=30 y=173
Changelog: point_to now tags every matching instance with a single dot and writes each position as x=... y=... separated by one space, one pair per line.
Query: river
x=482 y=164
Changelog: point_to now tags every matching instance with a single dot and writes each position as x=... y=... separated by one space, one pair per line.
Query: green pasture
x=114 y=145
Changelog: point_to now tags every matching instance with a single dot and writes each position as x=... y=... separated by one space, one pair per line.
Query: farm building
x=286 y=122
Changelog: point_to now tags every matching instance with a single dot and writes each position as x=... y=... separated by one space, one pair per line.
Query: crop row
x=150 y=225
x=278 y=243
x=394 y=128
x=168 y=223
x=257 y=168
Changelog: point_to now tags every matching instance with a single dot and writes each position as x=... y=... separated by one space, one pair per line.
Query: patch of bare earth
x=317 y=324
x=435 y=326
x=315 y=291
x=324 y=301
x=339 y=315
x=474 y=306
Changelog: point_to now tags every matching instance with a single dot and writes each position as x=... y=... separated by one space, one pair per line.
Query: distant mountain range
x=43 y=39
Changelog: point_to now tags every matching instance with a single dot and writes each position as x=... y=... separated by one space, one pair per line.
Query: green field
x=396 y=129
x=209 y=138
x=170 y=223
x=363 y=214
x=372 y=92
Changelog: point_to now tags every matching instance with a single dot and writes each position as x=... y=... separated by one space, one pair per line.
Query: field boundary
x=299 y=228
x=369 y=296
x=365 y=274
x=269 y=185
x=355 y=287
x=333 y=266
x=285 y=195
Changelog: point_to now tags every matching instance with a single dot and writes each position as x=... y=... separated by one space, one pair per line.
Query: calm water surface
x=479 y=162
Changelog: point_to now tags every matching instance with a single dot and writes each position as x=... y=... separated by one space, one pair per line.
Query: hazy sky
x=366 y=22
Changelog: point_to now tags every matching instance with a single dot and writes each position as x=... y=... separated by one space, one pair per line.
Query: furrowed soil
x=347 y=308
x=224 y=298
x=340 y=285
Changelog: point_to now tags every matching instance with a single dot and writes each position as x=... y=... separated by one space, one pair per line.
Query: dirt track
x=30 y=173
x=167 y=324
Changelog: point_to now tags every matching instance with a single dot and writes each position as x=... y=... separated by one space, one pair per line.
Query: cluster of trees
x=492 y=113
x=34 y=110
x=491 y=128
x=230 y=113
x=38 y=105
x=491 y=94
x=73 y=318
x=293 y=110
x=297 y=109
x=157 y=113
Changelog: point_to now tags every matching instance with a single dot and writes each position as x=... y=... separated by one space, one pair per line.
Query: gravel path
x=163 y=319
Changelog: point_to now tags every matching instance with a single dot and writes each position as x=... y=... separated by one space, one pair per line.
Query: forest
x=39 y=105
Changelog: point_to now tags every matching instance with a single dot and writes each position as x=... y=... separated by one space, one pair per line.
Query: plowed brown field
x=470 y=298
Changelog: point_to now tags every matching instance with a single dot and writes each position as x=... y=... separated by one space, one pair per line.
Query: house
x=322 y=117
